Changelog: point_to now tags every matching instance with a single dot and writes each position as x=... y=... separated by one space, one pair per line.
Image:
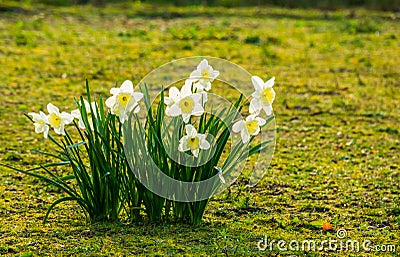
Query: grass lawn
x=337 y=114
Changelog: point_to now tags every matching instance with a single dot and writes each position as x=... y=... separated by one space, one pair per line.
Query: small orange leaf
x=326 y=226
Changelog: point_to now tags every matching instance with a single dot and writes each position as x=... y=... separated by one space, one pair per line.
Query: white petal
x=198 y=87
x=138 y=96
x=255 y=106
x=46 y=131
x=261 y=121
x=35 y=116
x=251 y=117
x=43 y=116
x=66 y=117
x=62 y=129
x=51 y=108
x=197 y=110
x=195 y=152
x=215 y=74
x=186 y=90
x=203 y=65
x=268 y=109
x=256 y=132
x=270 y=83
x=114 y=91
x=87 y=105
x=76 y=114
x=110 y=102
x=136 y=109
x=59 y=131
x=196 y=97
x=94 y=106
x=174 y=94
x=174 y=110
x=238 y=126
x=130 y=106
x=127 y=87
x=168 y=101
x=273 y=95
x=256 y=94
x=39 y=128
x=245 y=136
x=204 y=144
x=122 y=116
x=191 y=131
x=81 y=124
x=183 y=147
x=195 y=75
x=207 y=86
x=186 y=117
x=204 y=98
x=258 y=83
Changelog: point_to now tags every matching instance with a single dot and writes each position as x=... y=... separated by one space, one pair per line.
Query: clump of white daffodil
x=114 y=182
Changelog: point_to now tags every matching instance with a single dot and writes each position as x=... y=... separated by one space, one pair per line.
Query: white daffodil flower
x=264 y=95
x=184 y=103
x=58 y=120
x=203 y=76
x=249 y=127
x=77 y=114
x=40 y=120
x=124 y=100
x=193 y=141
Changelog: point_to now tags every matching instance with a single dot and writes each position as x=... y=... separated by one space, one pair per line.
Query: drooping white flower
x=77 y=114
x=40 y=120
x=264 y=95
x=124 y=100
x=184 y=103
x=58 y=120
x=249 y=127
x=203 y=76
x=193 y=141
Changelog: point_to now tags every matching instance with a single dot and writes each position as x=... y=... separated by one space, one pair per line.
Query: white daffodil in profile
x=203 y=76
x=58 y=120
x=184 y=103
x=264 y=95
x=193 y=141
x=124 y=100
x=249 y=127
x=77 y=114
x=40 y=120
